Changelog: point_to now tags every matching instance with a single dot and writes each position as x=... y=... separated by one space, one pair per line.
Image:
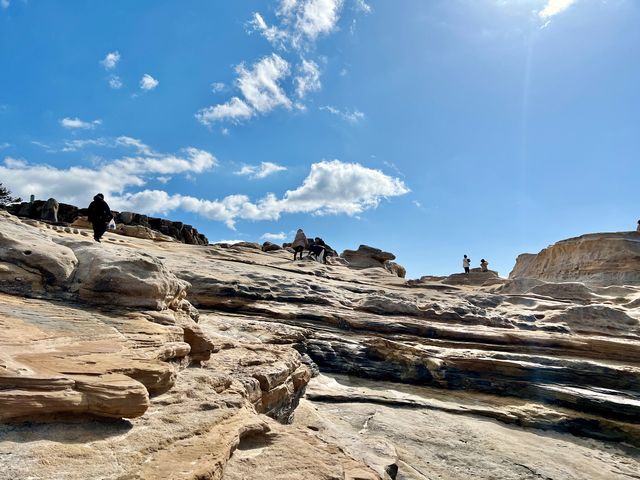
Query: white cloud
x=163 y=180
x=554 y=7
x=262 y=171
x=353 y=116
x=111 y=60
x=217 y=87
x=78 y=184
x=228 y=242
x=314 y=18
x=273 y=34
x=76 y=123
x=297 y=26
x=147 y=82
x=308 y=79
x=332 y=187
x=260 y=88
x=234 y=110
x=135 y=143
x=363 y=6
x=274 y=236
x=115 y=82
x=4 y=145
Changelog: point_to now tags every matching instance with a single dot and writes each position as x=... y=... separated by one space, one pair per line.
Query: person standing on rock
x=484 y=265
x=299 y=244
x=99 y=215
x=466 y=264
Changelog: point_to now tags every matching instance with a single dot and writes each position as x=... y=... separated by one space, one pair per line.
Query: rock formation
x=130 y=224
x=208 y=352
x=597 y=258
x=370 y=257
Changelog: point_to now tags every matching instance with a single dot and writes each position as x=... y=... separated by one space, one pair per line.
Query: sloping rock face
x=597 y=258
x=434 y=378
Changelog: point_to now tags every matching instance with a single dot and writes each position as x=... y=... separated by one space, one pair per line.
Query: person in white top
x=466 y=263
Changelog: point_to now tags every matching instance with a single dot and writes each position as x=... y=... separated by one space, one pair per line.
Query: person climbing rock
x=484 y=265
x=318 y=247
x=299 y=244
x=466 y=263
x=99 y=215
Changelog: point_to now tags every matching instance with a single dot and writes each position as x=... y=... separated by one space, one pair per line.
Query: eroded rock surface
x=207 y=352
x=597 y=258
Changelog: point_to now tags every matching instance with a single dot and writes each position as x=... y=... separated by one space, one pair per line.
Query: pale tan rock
x=26 y=253
x=124 y=277
x=597 y=258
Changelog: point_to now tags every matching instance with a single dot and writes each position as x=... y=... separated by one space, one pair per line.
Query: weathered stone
x=50 y=210
x=597 y=258
x=270 y=247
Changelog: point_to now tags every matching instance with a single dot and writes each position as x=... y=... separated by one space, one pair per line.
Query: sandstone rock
x=270 y=247
x=395 y=269
x=31 y=261
x=123 y=277
x=367 y=257
x=597 y=258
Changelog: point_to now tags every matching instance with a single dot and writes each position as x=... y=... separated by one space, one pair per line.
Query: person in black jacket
x=99 y=215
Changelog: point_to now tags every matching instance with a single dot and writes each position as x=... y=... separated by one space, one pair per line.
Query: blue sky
x=426 y=128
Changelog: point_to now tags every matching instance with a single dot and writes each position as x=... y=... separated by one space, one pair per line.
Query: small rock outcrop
x=54 y=212
x=370 y=257
x=50 y=210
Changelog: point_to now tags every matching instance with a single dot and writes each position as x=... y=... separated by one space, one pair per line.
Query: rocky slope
x=206 y=353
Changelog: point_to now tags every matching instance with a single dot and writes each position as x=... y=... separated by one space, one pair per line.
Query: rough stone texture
x=451 y=378
x=597 y=258
x=29 y=260
x=367 y=257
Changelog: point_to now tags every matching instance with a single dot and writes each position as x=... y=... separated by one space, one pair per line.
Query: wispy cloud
x=260 y=88
x=110 y=61
x=363 y=6
x=5 y=3
x=352 y=116
x=554 y=7
x=293 y=31
x=4 y=145
x=274 y=236
x=115 y=82
x=308 y=78
x=217 y=87
x=76 y=123
x=260 y=171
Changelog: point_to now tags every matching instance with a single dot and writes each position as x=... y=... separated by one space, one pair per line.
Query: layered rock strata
x=478 y=377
